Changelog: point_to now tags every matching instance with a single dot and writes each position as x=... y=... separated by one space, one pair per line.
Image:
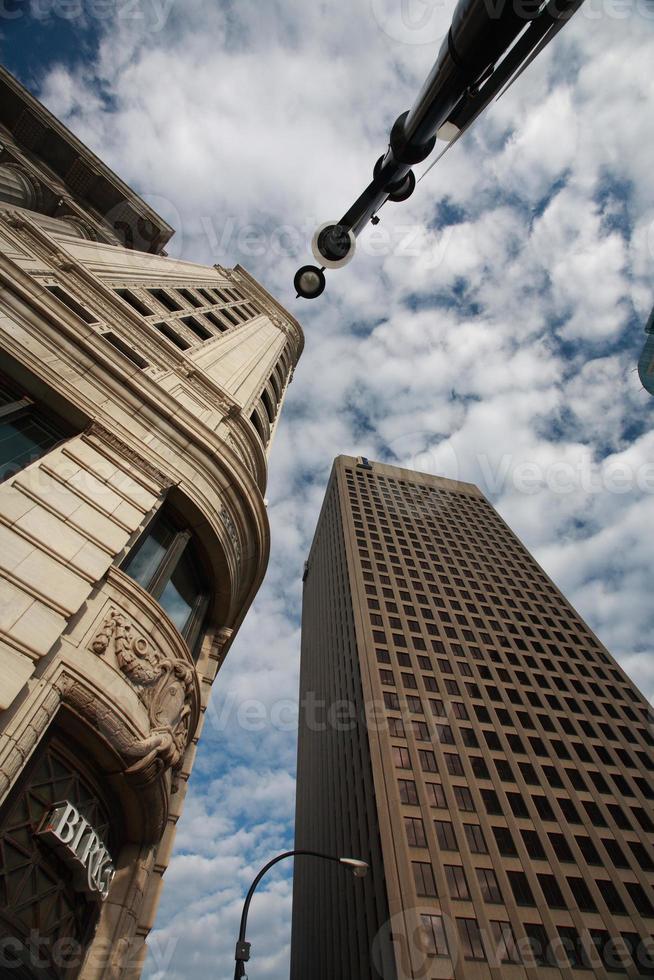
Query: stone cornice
x=87 y=177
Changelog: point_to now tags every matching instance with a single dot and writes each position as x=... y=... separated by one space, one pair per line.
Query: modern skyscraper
x=138 y=399
x=464 y=731
x=646 y=360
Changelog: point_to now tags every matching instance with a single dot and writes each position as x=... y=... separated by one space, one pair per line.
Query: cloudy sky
x=488 y=330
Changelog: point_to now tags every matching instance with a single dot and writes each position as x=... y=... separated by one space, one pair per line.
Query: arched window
x=257 y=423
x=167 y=563
x=268 y=405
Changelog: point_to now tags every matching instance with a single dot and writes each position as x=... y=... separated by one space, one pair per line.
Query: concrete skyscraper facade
x=464 y=732
x=138 y=399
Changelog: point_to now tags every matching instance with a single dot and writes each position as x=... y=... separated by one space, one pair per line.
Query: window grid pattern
x=529 y=717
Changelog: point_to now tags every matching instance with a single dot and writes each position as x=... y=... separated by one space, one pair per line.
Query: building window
x=537 y=945
x=520 y=888
x=505 y=947
x=463 y=798
x=166 y=562
x=470 y=937
x=551 y=891
x=435 y=943
x=415 y=832
x=456 y=882
x=424 y=879
x=475 y=837
x=445 y=835
x=408 y=793
x=435 y=795
x=490 y=890
x=27 y=432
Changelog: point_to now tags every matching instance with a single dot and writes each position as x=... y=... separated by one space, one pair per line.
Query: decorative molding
x=28 y=130
x=168 y=688
x=129 y=454
x=227 y=520
x=219 y=642
x=34 y=188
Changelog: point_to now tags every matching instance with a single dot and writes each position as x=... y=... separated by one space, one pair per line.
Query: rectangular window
x=551 y=891
x=504 y=942
x=172 y=336
x=538 y=944
x=435 y=795
x=415 y=832
x=433 y=936
x=134 y=302
x=504 y=841
x=64 y=297
x=582 y=894
x=490 y=890
x=521 y=889
x=423 y=876
x=456 y=882
x=396 y=727
x=401 y=757
x=470 y=939
x=26 y=432
x=445 y=835
x=533 y=844
x=561 y=848
x=427 y=760
x=463 y=798
x=408 y=793
x=125 y=349
x=475 y=837
x=640 y=899
x=611 y=897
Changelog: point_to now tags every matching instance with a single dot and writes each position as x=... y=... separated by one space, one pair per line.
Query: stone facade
x=168 y=378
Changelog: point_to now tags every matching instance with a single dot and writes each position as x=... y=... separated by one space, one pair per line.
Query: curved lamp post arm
x=242 y=954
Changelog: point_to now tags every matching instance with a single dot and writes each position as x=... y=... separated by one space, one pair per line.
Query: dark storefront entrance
x=46 y=922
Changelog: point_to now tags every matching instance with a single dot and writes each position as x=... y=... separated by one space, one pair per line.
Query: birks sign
x=77 y=843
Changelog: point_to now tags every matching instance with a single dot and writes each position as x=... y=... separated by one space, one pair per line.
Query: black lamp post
x=242 y=954
x=485 y=50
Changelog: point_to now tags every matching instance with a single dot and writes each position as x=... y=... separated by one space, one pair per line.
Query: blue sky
x=489 y=329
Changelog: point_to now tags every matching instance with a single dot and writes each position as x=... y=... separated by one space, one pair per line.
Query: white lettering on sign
x=80 y=847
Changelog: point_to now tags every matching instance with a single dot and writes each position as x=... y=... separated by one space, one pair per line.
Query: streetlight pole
x=242 y=954
x=486 y=48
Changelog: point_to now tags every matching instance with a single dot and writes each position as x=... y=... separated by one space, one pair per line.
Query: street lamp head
x=333 y=245
x=309 y=282
x=359 y=868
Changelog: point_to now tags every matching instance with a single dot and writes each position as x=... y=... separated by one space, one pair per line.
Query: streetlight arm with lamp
x=242 y=954
x=484 y=52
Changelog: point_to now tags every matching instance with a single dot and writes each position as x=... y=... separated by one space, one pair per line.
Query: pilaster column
x=18 y=188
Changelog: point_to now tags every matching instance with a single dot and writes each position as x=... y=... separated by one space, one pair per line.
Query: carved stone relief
x=128 y=453
x=167 y=687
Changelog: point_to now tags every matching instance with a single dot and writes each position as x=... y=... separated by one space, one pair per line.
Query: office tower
x=138 y=399
x=464 y=731
x=646 y=360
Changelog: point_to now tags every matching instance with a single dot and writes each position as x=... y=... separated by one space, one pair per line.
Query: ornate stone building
x=138 y=398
